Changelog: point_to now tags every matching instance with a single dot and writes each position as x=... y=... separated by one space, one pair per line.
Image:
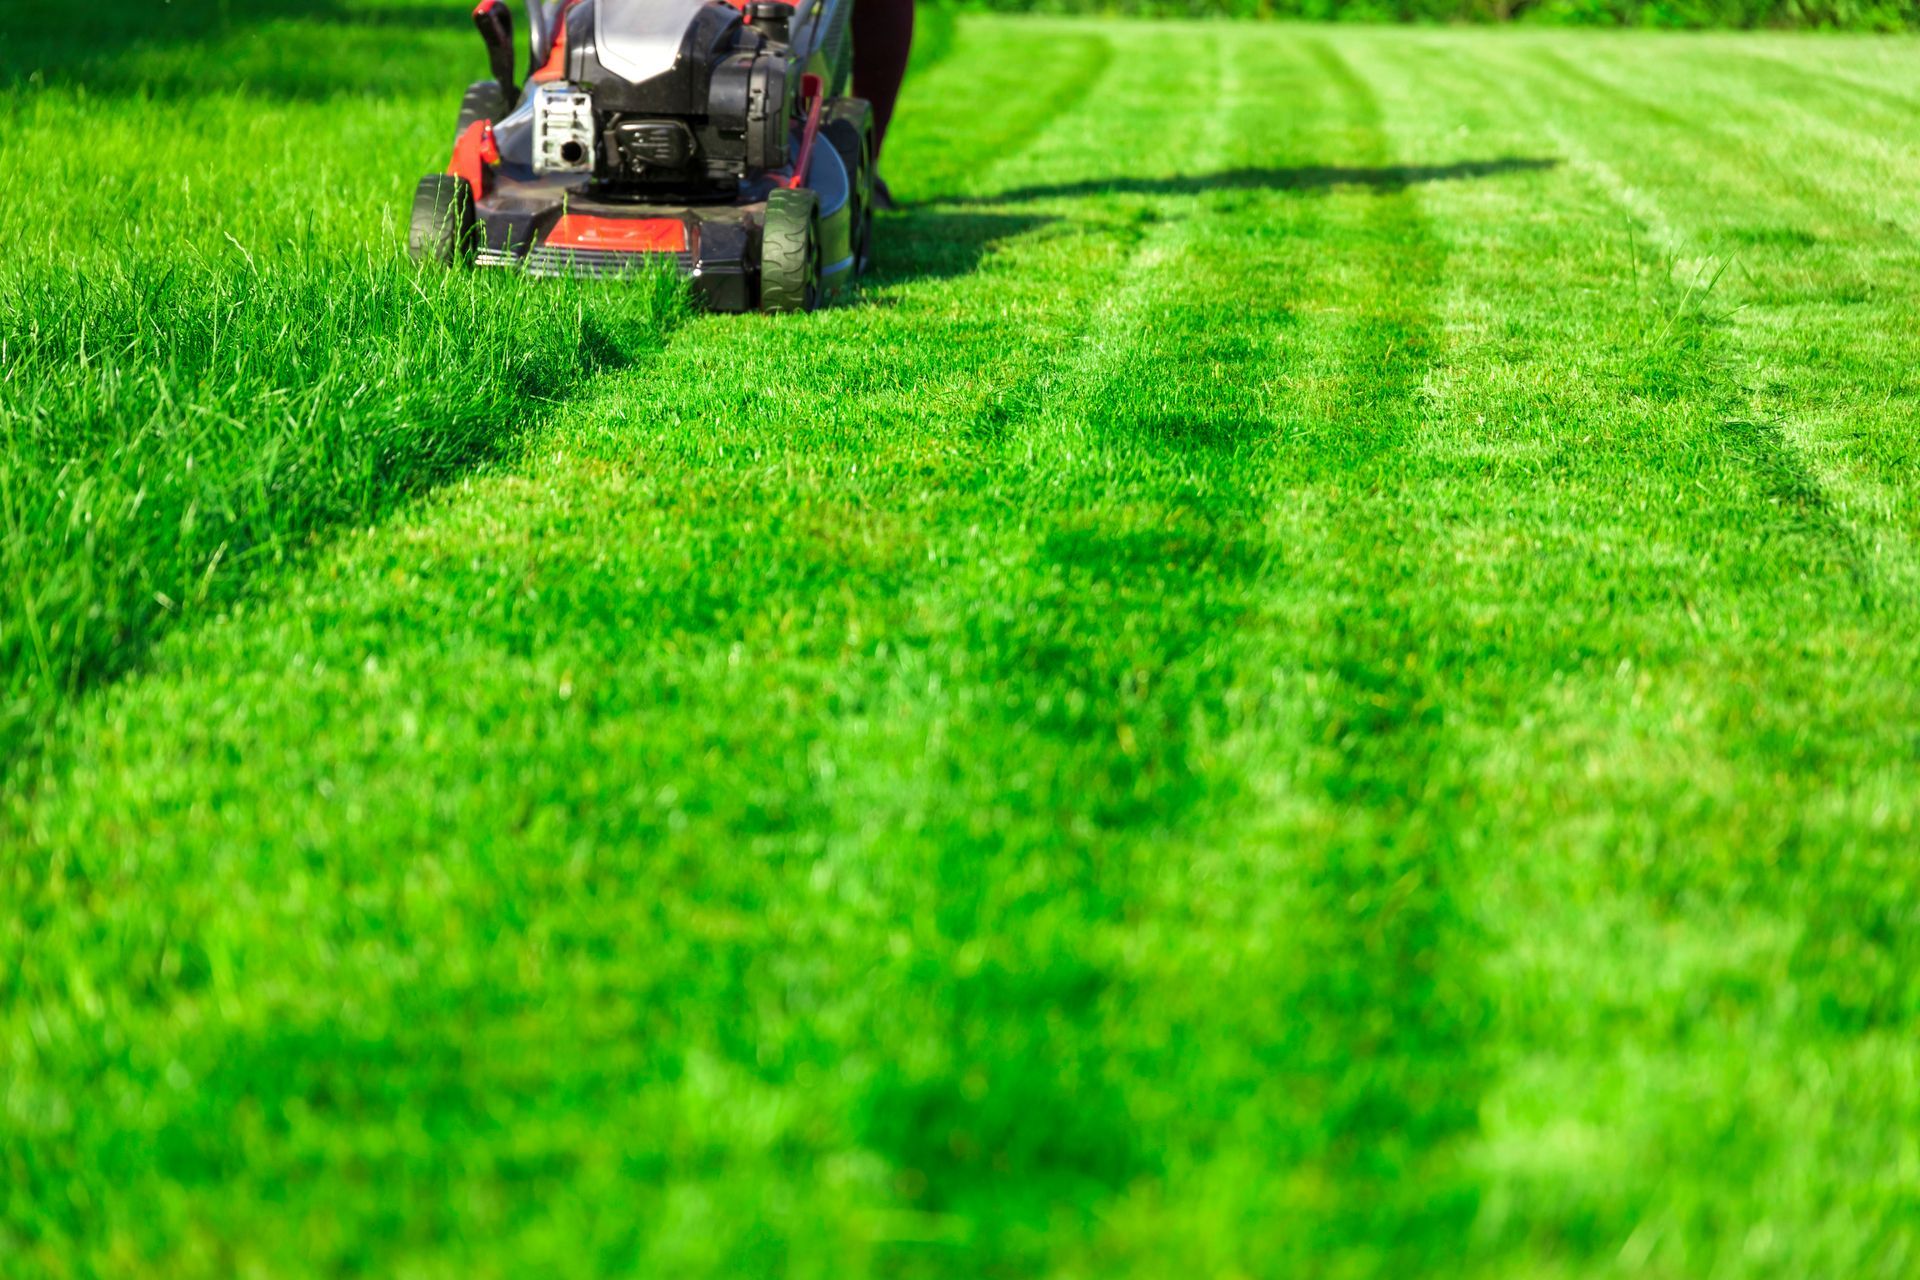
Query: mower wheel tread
x=790 y=251
x=849 y=126
x=441 y=227
x=484 y=100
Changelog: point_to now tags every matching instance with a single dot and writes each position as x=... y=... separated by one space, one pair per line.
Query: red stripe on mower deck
x=619 y=235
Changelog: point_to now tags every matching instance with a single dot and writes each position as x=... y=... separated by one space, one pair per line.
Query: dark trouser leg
x=882 y=36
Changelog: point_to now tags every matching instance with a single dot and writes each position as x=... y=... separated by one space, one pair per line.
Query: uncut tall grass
x=213 y=350
x=171 y=426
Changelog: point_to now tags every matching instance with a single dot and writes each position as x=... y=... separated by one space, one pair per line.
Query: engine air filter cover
x=654 y=144
x=562 y=129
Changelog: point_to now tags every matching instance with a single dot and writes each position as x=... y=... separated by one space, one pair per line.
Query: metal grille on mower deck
x=555 y=262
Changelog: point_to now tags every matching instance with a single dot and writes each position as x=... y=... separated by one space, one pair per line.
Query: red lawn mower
x=712 y=133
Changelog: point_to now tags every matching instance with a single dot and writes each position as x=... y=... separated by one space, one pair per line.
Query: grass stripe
x=1790 y=482
x=1716 y=704
x=1313 y=880
x=1846 y=420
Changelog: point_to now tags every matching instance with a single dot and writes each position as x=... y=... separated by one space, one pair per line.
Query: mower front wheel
x=442 y=227
x=790 y=252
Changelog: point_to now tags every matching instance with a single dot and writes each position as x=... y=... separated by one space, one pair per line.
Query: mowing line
x=1604 y=910
x=1100 y=564
x=957 y=152
x=1781 y=451
x=1787 y=458
x=1723 y=123
x=1348 y=991
x=1891 y=101
x=1780 y=331
x=1883 y=125
x=1390 y=953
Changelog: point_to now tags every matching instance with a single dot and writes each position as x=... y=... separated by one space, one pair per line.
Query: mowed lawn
x=1320 y=677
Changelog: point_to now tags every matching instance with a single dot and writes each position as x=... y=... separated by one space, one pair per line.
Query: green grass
x=1319 y=678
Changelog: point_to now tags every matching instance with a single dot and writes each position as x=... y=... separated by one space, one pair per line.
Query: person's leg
x=882 y=37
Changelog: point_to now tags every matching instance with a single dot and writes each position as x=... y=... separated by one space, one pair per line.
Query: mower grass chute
x=714 y=134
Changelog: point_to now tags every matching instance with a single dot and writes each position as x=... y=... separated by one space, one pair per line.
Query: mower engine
x=712 y=134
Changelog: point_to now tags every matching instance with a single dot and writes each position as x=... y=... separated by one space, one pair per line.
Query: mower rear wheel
x=790 y=252
x=442 y=228
x=485 y=100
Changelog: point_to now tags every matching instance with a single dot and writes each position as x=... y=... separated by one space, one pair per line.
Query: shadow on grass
x=917 y=243
x=943 y=238
x=1382 y=178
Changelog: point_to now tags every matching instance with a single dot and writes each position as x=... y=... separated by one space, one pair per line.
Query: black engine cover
x=720 y=113
x=748 y=106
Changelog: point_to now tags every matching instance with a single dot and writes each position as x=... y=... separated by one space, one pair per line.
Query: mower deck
x=712 y=245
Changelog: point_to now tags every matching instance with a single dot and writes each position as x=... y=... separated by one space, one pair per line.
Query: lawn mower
x=715 y=134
